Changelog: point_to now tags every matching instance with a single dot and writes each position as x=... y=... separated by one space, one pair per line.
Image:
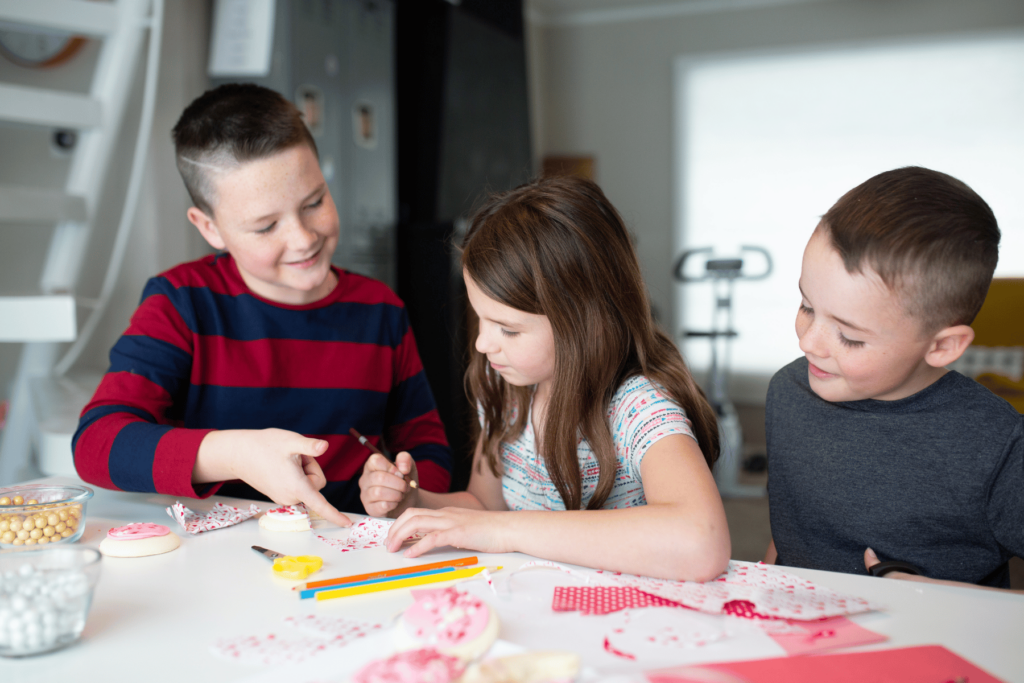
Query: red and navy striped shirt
x=203 y=352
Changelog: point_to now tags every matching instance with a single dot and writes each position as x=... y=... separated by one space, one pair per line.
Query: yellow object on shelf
x=1000 y=324
x=297 y=567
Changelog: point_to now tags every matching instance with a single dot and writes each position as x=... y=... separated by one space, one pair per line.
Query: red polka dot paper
x=424 y=666
x=770 y=592
x=219 y=516
x=604 y=599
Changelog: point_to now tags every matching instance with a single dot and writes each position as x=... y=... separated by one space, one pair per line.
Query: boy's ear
x=948 y=344
x=207 y=228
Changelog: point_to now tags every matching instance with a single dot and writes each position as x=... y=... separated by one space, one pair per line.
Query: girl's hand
x=384 y=487
x=486 y=532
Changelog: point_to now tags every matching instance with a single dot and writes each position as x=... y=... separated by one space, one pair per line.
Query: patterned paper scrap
x=363 y=535
x=771 y=592
x=271 y=649
x=329 y=634
x=332 y=628
x=219 y=516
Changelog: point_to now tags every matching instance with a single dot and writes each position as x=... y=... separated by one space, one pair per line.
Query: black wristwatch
x=883 y=568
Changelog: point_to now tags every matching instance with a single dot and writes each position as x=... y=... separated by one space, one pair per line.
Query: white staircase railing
x=47 y=315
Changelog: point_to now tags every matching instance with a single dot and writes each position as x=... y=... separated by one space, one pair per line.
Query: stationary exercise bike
x=723 y=274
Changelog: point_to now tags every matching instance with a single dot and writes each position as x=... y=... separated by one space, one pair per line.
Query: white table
x=155 y=618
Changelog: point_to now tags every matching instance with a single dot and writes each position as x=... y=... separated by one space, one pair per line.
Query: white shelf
x=58 y=402
x=53 y=108
x=41 y=318
x=37 y=205
x=73 y=16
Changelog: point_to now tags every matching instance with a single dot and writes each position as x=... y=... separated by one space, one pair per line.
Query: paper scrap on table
x=365 y=534
x=329 y=634
x=770 y=592
x=604 y=599
x=219 y=516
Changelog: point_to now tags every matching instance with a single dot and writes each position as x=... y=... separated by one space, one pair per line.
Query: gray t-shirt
x=935 y=479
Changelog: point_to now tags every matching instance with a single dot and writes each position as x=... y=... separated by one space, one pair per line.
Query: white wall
x=602 y=83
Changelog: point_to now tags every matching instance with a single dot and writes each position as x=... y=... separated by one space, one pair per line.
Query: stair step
x=36 y=205
x=73 y=16
x=37 y=318
x=58 y=401
x=51 y=108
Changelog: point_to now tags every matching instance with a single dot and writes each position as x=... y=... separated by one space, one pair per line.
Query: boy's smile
x=858 y=340
x=275 y=216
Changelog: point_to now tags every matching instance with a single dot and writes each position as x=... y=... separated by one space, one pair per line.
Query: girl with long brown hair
x=596 y=445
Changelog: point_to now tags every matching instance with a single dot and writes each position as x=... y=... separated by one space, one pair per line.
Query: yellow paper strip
x=403 y=583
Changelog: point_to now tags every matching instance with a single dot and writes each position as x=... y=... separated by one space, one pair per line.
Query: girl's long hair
x=557 y=247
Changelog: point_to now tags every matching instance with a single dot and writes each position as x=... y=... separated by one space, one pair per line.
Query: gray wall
x=602 y=84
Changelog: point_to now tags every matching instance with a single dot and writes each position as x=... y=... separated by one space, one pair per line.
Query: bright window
x=767 y=143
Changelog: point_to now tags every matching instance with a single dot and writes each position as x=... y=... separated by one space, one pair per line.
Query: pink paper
x=219 y=516
x=924 y=664
x=770 y=592
x=806 y=637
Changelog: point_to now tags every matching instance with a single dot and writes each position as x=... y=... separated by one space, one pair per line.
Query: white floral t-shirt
x=639 y=415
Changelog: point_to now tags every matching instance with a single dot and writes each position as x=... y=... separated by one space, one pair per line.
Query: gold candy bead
x=66 y=533
x=35 y=534
x=6 y=500
x=18 y=500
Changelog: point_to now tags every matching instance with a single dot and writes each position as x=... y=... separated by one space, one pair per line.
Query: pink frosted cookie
x=286 y=518
x=458 y=624
x=139 y=540
x=415 y=666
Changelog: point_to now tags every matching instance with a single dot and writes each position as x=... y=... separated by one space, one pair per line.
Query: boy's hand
x=278 y=463
x=384 y=487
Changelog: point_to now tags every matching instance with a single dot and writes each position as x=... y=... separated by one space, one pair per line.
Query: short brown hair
x=928 y=236
x=229 y=125
x=557 y=247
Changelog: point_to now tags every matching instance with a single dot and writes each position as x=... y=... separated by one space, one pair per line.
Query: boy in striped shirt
x=243 y=372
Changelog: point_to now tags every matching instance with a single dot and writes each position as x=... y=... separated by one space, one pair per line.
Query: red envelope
x=923 y=664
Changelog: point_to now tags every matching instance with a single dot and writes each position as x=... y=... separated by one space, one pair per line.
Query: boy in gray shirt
x=876 y=452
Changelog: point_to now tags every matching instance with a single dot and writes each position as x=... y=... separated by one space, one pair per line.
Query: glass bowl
x=41 y=514
x=45 y=594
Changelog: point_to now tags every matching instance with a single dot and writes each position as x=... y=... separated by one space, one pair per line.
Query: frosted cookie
x=528 y=667
x=139 y=540
x=426 y=665
x=454 y=623
x=286 y=518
